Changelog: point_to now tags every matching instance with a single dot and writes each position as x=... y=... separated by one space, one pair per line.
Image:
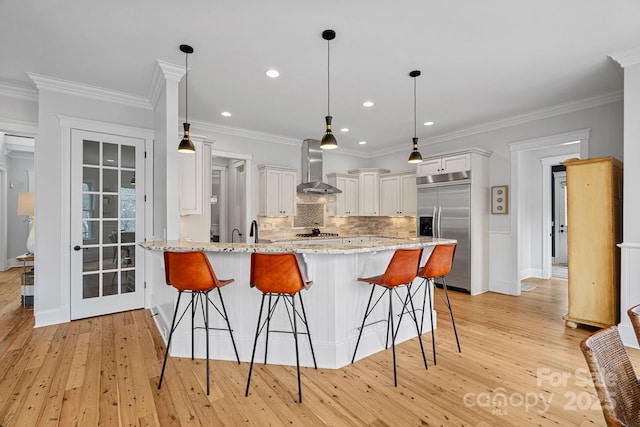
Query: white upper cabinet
x=398 y=195
x=346 y=203
x=444 y=164
x=369 y=190
x=191 y=179
x=277 y=191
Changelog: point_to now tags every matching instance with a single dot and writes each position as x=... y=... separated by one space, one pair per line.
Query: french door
x=107 y=211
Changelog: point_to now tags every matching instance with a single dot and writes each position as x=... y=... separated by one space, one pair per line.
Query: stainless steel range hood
x=312 y=170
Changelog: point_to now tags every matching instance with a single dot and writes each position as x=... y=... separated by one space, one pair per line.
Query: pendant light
x=186 y=145
x=415 y=156
x=328 y=140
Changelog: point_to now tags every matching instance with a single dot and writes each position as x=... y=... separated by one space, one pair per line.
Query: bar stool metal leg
x=393 y=341
x=418 y=329
x=206 y=328
x=306 y=324
x=226 y=318
x=166 y=353
x=364 y=319
x=270 y=307
x=453 y=322
x=255 y=341
x=429 y=283
x=295 y=338
x=193 y=315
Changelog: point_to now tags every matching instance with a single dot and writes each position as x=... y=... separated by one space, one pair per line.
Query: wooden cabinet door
x=429 y=167
x=408 y=195
x=458 y=163
x=191 y=177
x=390 y=196
x=369 y=194
x=287 y=205
x=350 y=196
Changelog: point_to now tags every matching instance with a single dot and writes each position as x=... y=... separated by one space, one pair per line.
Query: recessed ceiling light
x=344 y=130
x=367 y=104
x=428 y=123
x=272 y=73
x=110 y=160
x=225 y=114
x=362 y=142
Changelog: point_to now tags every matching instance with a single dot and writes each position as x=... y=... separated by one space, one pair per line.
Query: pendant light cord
x=186 y=87
x=328 y=78
x=414 y=109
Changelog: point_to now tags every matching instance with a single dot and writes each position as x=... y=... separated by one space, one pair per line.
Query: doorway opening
x=531 y=171
x=559 y=223
x=230 y=206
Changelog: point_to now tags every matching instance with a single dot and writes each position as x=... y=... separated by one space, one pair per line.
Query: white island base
x=334 y=305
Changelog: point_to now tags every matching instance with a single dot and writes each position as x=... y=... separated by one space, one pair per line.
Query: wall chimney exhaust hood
x=312 y=170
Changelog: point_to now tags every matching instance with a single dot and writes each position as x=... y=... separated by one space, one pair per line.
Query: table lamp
x=26 y=206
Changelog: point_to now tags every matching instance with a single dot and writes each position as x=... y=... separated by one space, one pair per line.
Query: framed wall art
x=500 y=199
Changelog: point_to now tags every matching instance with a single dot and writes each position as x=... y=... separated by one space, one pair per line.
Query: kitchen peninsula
x=334 y=304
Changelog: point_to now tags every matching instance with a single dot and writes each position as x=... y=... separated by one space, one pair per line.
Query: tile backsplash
x=312 y=212
x=309 y=215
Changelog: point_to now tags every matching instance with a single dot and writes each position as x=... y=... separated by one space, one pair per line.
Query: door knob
x=76 y=248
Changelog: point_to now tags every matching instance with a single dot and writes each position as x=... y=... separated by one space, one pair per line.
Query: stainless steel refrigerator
x=444 y=211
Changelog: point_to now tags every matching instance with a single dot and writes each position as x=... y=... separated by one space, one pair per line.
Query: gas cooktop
x=317 y=235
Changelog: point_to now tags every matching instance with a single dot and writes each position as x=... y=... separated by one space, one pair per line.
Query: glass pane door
x=107 y=210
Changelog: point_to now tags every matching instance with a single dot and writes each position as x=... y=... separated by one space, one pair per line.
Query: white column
x=167 y=135
x=630 y=263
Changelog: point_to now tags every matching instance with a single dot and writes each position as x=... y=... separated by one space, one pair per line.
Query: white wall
x=17 y=228
x=52 y=180
x=606 y=139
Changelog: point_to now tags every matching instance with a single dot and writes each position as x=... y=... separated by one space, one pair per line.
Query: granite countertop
x=301 y=248
x=309 y=238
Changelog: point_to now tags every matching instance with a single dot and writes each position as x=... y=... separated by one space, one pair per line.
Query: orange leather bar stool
x=438 y=265
x=401 y=271
x=278 y=276
x=191 y=272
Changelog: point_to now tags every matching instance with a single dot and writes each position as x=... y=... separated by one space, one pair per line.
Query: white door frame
x=3 y=218
x=560 y=189
x=517 y=180
x=547 y=235
x=248 y=171
x=68 y=123
x=18 y=128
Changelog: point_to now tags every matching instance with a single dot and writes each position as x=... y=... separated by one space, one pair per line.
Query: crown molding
x=627 y=57
x=553 y=111
x=19 y=92
x=162 y=72
x=18 y=127
x=245 y=133
x=87 y=91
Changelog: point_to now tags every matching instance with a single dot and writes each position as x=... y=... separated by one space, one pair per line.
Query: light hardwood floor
x=519 y=366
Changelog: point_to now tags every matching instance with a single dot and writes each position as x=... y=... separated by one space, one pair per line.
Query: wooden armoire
x=594 y=219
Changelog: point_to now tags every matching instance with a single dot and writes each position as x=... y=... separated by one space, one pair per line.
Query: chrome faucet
x=254 y=231
x=233 y=231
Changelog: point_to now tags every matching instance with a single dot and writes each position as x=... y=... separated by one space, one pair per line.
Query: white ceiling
x=481 y=61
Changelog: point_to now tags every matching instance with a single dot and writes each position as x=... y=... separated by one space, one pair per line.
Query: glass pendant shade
x=328 y=140
x=415 y=156
x=186 y=145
